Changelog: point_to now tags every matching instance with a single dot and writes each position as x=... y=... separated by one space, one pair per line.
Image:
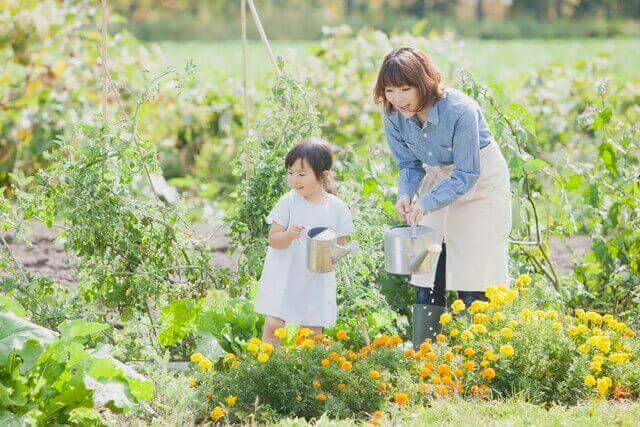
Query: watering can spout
x=337 y=251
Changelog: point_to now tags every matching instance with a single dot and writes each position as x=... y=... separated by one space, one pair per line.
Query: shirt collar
x=432 y=115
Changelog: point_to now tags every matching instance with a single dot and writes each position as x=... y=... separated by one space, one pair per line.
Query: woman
x=463 y=193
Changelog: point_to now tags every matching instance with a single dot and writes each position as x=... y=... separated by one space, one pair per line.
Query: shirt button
x=450 y=149
x=424 y=134
x=430 y=153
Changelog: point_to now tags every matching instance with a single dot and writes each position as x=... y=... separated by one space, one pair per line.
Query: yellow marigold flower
x=579 y=313
x=595 y=366
x=589 y=380
x=583 y=349
x=457 y=348
x=346 y=365
x=436 y=379
x=341 y=386
x=478 y=329
x=573 y=331
x=304 y=332
x=484 y=363
x=235 y=364
x=375 y=375
x=321 y=397
x=441 y=390
x=458 y=373
x=591 y=410
x=490 y=356
x=316 y=384
x=448 y=356
x=440 y=338
x=263 y=357
x=594 y=317
x=430 y=356
x=481 y=318
x=192 y=382
x=400 y=398
x=326 y=341
x=228 y=357
x=307 y=342
x=539 y=314
x=255 y=341
x=469 y=352
x=325 y=362
x=507 y=333
x=382 y=387
x=423 y=388
x=205 y=364
x=217 y=413
x=252 y=348
x=341 y=335
x=512 y=324
x=582 y=328
x=409 y=352
x=556 y=326
x=525 y=314
x=280 y=333
x=597 y=331
x=466 y=335
x=629 y=333
x=618 y=357
x=498 y=316
x=231 y=400
x=602 y=385
x=488 y=373
x=266 y=348
x=469 y=365
x=445 y=318
x=454 y=332
x=507 y=350
x=196 y=357
x=457 y=306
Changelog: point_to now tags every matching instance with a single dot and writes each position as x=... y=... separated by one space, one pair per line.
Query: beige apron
x=475 y=226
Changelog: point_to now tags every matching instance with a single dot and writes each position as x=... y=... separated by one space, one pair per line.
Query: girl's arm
x=281 y=238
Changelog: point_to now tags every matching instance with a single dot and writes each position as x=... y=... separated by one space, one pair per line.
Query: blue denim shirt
x=453 y=134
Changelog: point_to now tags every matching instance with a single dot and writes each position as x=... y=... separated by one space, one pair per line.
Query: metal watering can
x=323 y=250
x=411 y=250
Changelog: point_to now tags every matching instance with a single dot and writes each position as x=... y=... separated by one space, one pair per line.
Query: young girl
x=289 y=291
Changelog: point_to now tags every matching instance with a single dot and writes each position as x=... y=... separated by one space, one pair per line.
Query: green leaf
x=8 y=419
x=534 y=165
x=15 y=333
x=76 y=328
x=602 y=119
x=9 y=304
x=370 y=185
x=517 y=112
x=573 y=182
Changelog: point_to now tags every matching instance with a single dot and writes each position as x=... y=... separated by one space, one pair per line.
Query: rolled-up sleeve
x=410 y=168
x=466 y=160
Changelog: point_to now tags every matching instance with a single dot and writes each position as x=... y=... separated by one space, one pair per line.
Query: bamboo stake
x=245 y=95
x=263 y=35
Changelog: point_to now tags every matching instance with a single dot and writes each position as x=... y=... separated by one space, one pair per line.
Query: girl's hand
x=403 y=206
x=294 y=231
x=415 y=215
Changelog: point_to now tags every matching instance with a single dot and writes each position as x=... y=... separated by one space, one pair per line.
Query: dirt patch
x=43 y=254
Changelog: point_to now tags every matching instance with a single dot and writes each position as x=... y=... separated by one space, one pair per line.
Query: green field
x=486 y=59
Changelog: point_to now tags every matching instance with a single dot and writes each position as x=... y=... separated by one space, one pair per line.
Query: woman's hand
x=403 y=206
x=294 y=231
x=415 y=215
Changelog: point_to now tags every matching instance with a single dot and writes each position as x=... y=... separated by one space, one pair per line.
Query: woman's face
x=404 y=99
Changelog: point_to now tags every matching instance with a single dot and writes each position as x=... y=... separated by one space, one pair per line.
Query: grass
x=485 y=59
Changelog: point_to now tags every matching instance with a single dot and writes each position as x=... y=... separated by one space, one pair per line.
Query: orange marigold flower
x=316 y=384
x=436 y=379
x=334 y=356
x=444 y=369
x=458 y=372
x=400 y=398
x=424 y=372
x=469 y=365
x=469 y=352
x=341 y=335
x=409 y=352
x=440 y=338
x=448 y=356
x=321 y=397
x=346 y=365
x=341 y=386
x=441 y=390
x=325 y=362
x=382 y=387
x=373 y=374
x=425 y=347
x=488 y=373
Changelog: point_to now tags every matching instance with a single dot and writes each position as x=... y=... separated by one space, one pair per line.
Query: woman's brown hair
x=412 y=67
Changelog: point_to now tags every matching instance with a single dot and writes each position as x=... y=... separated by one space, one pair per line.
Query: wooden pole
x=243 y=21
x=263 y=35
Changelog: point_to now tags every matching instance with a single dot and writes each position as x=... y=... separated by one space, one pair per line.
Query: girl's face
x=404 y=99
x=301 y=178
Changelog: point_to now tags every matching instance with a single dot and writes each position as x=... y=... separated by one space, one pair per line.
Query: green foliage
x=48 y=378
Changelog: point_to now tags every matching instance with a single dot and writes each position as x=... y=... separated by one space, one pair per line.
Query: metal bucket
x=404 y=254
x=323 y=250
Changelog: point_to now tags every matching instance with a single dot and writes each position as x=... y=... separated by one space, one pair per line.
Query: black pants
x=437 y=294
